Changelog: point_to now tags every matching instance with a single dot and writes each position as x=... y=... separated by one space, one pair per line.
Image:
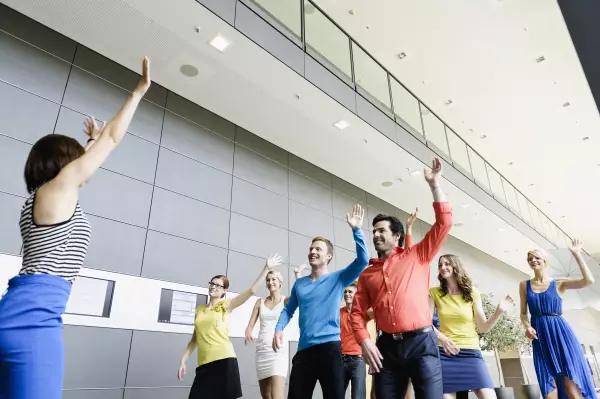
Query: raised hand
x=90 y=128
x=412 y=218
x=433 y=175
x=299 y=268
x=145 y=82
x=531 y=333
x=576 y=246
x=450 y=347
x=272 y=262
x=506 y=303
x=356 y=220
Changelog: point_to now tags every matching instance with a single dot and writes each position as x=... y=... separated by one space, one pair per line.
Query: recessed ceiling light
x=566 y=104
x=540 y=59
x=465 y=206
x=341 y=124
x=506 y=252
x=448 y=102
x=549 y=202
x=458 y=224
x=531 y=185
x=562 y=217
x=500 y=230
x=197 y=28
x=297 y=95
x=188 y=70
x=387 y=184
x=483 y=137
x=351 y=12
x=511 y=163
x=220 y=42
x=401 y=56
x=586 y=138
x=367 y=27
x=400 y=179
x=415 y=172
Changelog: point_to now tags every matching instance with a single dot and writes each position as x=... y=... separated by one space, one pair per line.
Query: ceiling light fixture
x=415 y=172
x=197 y=28
x=483 y=137
x=341 y=124
x=400 y=179
x=531 y=185
x=351 y=12
x=562 y=217
x=511 y=163
x=586 y=138
x=188 y=70
x=448 y=102
x=566 y=104
x=458 y=224
x=540 y=59
x=220 y=43
x=500 y=230
x=401 y=56
x=387 y=184
x=465 y=206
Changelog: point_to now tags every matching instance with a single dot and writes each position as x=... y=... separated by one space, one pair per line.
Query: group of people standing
x=335 y=346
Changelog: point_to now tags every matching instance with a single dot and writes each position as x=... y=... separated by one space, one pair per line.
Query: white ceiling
x=249 y=87
x=482 y=56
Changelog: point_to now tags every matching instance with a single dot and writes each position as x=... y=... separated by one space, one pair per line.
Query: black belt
x=408 y=334
x=548 y=314
x=351 y=356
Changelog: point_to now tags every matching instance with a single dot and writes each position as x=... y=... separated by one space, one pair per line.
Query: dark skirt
x=465 y=371
x=217 y=380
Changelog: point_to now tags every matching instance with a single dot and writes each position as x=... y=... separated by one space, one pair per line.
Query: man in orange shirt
x=355 y=370
x=396 y=286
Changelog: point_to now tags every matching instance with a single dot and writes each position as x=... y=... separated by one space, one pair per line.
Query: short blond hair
x=277 y=275
x=540 y=253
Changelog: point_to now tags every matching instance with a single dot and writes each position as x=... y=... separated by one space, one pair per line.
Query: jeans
x=355 y=372
x=413 y=358
x=321 y=363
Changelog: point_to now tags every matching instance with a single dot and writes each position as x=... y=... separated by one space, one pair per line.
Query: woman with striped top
x=56 y=235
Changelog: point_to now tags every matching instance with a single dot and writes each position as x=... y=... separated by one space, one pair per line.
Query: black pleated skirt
x=217 y=380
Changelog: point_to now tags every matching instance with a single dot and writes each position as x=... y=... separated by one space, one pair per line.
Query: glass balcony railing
x=322 y=38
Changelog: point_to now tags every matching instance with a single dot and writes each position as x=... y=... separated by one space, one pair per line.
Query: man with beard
x=319 y=356
x=396 y=286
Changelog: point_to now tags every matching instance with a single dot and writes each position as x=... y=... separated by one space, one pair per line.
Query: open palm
x=412 y=218
x=506 y=303
x=432 y=176
x=356 y=219
x=576 y=245
x=273 y=261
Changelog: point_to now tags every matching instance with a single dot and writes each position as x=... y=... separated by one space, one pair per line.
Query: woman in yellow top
x=460 y=310
x=218 y=375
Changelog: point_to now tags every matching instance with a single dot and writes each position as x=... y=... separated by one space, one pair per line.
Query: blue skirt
x=31 y=341
x=465 y=371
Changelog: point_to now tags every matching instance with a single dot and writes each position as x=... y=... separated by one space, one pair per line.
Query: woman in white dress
x=271 y=366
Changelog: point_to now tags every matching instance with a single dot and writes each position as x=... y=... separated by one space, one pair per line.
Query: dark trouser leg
x=303 y=376
x=392 y=380
x=358 y=372
x=424 y=366
x=330 y=369
x=347 y=373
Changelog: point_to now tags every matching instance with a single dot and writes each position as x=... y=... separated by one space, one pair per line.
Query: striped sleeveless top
x=58 y=249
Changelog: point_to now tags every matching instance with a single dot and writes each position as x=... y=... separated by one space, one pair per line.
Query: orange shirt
x=398 y=288
x=349 y=345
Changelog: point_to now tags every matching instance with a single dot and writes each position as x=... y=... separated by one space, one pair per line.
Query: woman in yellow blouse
x=460 y=309
x=218 y=375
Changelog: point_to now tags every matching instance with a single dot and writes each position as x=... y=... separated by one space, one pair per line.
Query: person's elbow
x=589 y=281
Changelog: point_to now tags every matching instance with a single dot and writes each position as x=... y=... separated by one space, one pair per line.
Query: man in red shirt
x=396 y=286
x=355 y=370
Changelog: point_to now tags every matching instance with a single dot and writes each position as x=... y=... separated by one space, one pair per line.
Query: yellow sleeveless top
x=457 y=318
x=212 y=333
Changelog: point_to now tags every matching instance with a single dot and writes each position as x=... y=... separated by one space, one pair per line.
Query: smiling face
x=349 y=294
x=319 y=254
x=383 y=238
x=273 y=282
x=535 y=260
x=216 y=287
x=445 y=268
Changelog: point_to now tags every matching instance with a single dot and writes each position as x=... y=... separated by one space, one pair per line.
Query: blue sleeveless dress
x=556 y=353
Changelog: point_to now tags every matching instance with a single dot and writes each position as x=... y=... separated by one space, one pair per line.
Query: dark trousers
x=355 y=372
x=414 y=358
x=321 y=363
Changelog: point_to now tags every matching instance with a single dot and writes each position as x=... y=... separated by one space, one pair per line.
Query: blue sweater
x=319 y=300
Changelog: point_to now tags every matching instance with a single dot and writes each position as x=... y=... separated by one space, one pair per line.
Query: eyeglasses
x=211 y=285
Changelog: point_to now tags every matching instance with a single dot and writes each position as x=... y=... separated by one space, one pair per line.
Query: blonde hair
x=540 y=253
x=277 y=275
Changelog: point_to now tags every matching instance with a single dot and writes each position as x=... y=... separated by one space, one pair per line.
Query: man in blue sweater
x=319 y=356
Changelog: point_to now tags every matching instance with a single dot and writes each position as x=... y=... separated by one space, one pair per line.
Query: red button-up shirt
x=349 y=345
x=398 y=288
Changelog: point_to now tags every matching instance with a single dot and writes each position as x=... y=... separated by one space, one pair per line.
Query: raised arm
x=408 y=238
x=351 y=272
x=483 y=323
x=430 y=245
x=524 y=315
x=80 y=170
x=190 y=348
x=587 y=276
x=298 y=269
x=252 y=322
x=272 y=261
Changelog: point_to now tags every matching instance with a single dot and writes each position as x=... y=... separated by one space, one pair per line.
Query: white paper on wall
x=87 y=297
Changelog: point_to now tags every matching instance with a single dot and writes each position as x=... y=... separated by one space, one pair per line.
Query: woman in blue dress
x=560 y=364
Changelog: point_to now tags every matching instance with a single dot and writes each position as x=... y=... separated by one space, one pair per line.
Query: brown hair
x=225 y=281
x=48 y=156
x=327 y=243
x=464 y=282
x=354 y=284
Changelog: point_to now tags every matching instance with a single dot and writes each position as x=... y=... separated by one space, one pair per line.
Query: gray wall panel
x=196 y=142
x=256 y=238
x=343 y=258
x=95 y=357
x=115 y=246
x=343 y=205
x=259 y=145
x=134 y=157
x=309 y=170
x=189 y=218
x=329 y=83
x=263 y=172
x=155 y=357
x=30 y=69
x=310 y=222
x=243 y=270
x=10 y=213
x=246 y=361
x=117 y=197
x=16 y=108
x=91 y=95
x=376 y=118
x=299 y=247
x=183 y=175
x=223 y=8
x=158 y=393
x=310 y=192
x=269 y=38
x=93 y=394
x=343 y=187
x=184 y=261
x=12 y=153
x=251 y=391
x=258 y=203
x=343 y=235
x=200 y=116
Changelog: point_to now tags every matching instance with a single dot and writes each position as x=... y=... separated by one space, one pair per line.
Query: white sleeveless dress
x=268 y=362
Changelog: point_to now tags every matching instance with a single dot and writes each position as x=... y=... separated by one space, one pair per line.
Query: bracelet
x=90 y=140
